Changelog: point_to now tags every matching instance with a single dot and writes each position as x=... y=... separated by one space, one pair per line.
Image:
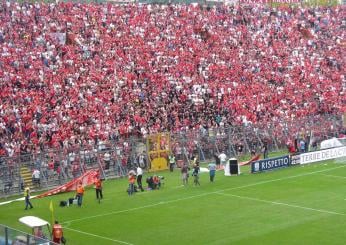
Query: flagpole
x=51 y=208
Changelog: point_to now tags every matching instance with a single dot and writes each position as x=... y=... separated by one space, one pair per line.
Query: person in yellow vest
x=79 y=194
x=27 y=193
x=171 y=159
x=57 y=233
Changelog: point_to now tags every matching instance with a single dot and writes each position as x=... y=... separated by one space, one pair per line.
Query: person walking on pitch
x=212 y=169
x=195 y=173
x=98 y=188
x=27 y=193
x=79 y=194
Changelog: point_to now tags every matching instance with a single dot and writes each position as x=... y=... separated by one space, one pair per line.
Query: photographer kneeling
x=154 y=182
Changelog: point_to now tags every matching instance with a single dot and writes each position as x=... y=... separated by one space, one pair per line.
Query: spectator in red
x=57 y=233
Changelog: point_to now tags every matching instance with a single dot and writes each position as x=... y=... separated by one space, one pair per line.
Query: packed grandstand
x=75 y=74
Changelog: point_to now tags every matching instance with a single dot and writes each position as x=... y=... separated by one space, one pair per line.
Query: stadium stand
x=77 y=76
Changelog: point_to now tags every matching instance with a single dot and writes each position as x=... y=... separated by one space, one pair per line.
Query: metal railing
x=10 y=236
x=57 y=166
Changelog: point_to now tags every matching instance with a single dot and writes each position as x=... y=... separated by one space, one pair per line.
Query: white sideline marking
x=282 y=203
x=274 y=180
x=200 y=195
x=179 y=186
x=15 y=200
x=67 y=224
x=102 y=237
x=335 y=176
x=138 y=208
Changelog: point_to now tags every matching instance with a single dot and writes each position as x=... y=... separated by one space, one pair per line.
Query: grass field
x=297 y=205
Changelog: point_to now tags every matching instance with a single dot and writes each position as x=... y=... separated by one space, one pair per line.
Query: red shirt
x=132 y=179
x=57 y=232
x=98 y=184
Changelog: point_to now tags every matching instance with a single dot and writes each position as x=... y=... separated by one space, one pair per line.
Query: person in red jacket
x=57 y=233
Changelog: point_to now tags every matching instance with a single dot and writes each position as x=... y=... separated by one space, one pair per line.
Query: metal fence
x=9 y=236
x=116 y=156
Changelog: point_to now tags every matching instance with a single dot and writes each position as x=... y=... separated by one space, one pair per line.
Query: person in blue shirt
x=212 y=171
x=302 y=145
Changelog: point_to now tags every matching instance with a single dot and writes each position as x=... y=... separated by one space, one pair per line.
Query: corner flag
x=51 y=208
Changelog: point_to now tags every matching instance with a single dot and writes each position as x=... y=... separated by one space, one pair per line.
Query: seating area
x=75 y=74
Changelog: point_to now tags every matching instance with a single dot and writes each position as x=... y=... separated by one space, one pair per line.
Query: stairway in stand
x=26 y=175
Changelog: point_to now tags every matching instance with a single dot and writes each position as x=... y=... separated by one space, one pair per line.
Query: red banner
x=253 y=159
x=87 y=179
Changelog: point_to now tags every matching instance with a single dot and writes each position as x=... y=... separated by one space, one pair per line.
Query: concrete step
x=26 y=175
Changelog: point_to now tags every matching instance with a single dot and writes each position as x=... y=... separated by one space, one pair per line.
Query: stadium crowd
x=75 y=73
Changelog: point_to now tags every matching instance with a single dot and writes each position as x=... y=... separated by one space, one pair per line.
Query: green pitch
x=297 y=205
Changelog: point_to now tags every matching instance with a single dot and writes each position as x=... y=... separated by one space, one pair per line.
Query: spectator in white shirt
x=223 y=159
x=36 y=177
x=107 y=160
x=139 y=178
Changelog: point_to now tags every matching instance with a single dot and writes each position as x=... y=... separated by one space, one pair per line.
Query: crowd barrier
x=58 y=166
x=9 y=236
x=323 y=155
x=297 y=159
x=270 y=164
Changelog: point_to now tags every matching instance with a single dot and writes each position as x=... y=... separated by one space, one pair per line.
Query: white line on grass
x=335 y=176
x=138 y=208
x=102 y=237
x=67 y=224
x=281 y=203
x=179 y=186
x=200 y=195
x=279 y=179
